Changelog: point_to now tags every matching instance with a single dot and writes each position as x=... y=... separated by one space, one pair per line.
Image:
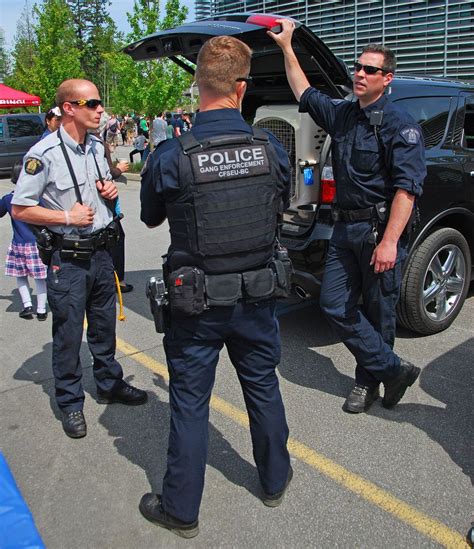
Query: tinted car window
x=432 y=115
x=1 y=129
x=469 y=127
x=24 y=126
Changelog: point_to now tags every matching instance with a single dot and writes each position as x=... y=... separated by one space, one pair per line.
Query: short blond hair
x=221 y=60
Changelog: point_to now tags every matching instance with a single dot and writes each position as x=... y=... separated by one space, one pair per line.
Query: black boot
x=274 y=500
x=151 y=508
x=395 y=388
x=360 y=399
x=124 y=394
x=74 y=424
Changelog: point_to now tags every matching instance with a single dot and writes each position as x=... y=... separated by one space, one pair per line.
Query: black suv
x=18 y=133
x=438 y=270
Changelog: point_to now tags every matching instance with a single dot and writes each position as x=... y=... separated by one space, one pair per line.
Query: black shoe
x=125 y=394
x=26 y=313
x=360 y=399
x=395 y=388
x=125 y=288
x=42 y=316
x=151 y=508
x=74 y=424
x=275 y=499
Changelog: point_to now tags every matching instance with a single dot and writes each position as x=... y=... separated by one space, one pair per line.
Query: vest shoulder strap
x=259 y=135
x=190 y=144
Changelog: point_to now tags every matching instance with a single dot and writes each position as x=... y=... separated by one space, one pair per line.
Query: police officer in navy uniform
x=65 y=186
x=378 y=160
x=222 y=187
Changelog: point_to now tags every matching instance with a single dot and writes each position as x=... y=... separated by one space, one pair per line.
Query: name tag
x=232 y=163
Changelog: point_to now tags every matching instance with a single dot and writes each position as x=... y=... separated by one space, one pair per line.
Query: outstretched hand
x=283 y=38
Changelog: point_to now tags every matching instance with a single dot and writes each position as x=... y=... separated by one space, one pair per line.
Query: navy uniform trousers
x=367 y=330
x=77 y=288
x=251 y=334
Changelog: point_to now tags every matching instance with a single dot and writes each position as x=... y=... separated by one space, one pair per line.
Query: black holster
x=44 y=243
x=283 y=272
x=158 y=297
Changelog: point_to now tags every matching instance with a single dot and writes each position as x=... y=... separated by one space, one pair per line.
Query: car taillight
x=267 y=21
x=328 y=186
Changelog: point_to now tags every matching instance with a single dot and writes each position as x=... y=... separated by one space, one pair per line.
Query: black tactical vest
x=225 y=217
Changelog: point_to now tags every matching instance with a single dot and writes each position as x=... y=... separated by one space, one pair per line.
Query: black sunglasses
x=368 y=69
x=89 y=103
x=248 y=81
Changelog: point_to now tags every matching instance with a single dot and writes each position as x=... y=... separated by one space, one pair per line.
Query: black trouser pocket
x=58 y=286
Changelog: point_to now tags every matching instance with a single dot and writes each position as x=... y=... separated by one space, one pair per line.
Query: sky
x=11 y=10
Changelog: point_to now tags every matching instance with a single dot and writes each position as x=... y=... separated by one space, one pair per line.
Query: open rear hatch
x=182 y=44
x=323 y=69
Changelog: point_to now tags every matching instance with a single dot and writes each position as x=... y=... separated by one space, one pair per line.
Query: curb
x=130 y=177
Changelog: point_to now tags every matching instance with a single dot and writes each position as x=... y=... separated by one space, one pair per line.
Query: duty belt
x=80 y=242
x=377 y=213
x=349 y=216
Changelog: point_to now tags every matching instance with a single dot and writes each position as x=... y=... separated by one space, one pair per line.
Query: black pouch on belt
x=74 y=247
x=223 y=290
x=186 y=291
x=112 y=235
x=258 y=285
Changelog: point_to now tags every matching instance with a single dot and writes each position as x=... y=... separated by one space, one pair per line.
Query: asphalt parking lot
x=399 y=478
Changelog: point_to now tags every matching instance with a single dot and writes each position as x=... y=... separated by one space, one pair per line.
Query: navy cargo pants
x=251 y=334
x=367 y=330
x=78 y=288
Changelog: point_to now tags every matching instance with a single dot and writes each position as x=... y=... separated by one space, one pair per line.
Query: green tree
x=148 y=86
x=95 y=35
x=3 y=58
x=44 y=54
x=24 y=52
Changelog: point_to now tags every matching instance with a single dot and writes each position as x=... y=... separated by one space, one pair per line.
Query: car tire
x=435 y=283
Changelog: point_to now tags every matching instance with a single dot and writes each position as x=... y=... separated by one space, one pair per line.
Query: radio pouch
x=186 y=291
x=112 y=235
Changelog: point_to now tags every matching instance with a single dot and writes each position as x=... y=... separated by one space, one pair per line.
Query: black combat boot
x=360 y=399
x=151 y=508
x=395 y=388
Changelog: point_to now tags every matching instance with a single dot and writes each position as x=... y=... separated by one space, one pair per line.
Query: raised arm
x=296 y=77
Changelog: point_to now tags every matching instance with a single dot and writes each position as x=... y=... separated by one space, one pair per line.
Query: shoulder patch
x=411 y=135
x=33 y=166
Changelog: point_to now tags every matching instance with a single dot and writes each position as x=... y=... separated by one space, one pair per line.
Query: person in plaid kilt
x=23 y=261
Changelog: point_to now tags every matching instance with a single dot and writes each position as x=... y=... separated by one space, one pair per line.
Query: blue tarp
x=17 y=527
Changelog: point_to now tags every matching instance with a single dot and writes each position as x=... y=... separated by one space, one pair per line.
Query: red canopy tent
x=12 y=99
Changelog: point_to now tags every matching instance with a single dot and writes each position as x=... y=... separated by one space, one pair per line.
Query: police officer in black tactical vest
x=222 y=186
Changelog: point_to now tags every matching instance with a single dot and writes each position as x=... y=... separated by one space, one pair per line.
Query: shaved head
x=73 y=89
x=79 y=118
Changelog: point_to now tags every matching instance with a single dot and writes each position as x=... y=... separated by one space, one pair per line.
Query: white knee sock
x=23 y=288
x=41 y=295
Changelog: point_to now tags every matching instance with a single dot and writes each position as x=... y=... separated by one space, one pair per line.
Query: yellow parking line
x=355 y=483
